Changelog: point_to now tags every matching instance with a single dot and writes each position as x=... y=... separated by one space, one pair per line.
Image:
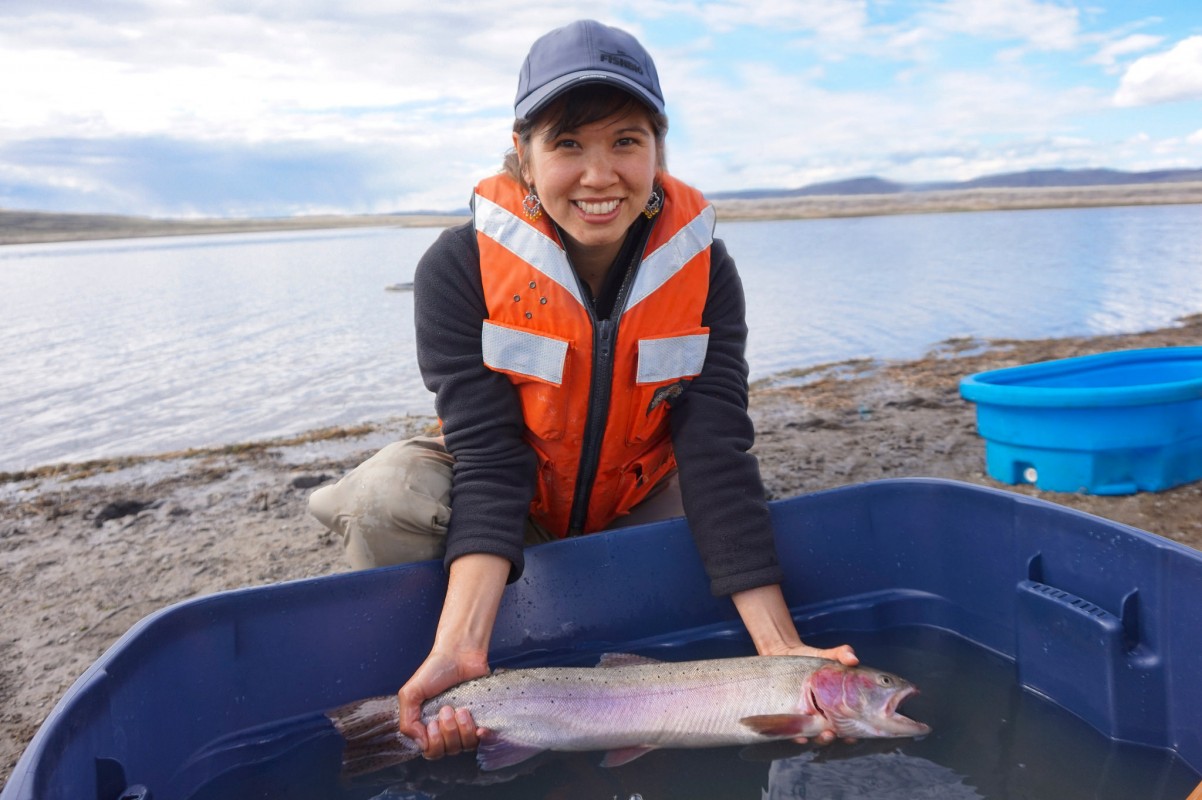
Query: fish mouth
x=899 y=724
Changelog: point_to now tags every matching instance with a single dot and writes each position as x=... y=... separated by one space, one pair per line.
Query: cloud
x=162 y=176
x=1041 y=25
x=1167 y=77
x=223 y=107
x=202 y=72
x=1109 y=55
x=744 y=131
x=831 y=20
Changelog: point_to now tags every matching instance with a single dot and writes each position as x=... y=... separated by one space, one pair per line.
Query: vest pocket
x=536 y=364
x=641 y=475
x=665 y=365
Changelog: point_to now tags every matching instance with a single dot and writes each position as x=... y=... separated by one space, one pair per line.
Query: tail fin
x=371 y=729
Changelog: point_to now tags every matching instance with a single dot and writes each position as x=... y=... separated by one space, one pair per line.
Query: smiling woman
x=584 y=336
x=592 y=165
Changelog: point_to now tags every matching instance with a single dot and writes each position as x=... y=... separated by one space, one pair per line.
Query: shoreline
x=35 y=227
x=40 y=227
x=90 y=552
x=961 y=201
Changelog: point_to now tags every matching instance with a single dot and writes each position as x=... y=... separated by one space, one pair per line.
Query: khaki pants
x=394 y=507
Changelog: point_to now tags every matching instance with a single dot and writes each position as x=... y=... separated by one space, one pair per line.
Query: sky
x=226 y=108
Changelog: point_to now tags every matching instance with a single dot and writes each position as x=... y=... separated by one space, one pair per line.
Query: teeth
x=597 y=208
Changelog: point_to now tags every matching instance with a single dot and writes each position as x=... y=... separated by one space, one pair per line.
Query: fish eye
x=886 y=680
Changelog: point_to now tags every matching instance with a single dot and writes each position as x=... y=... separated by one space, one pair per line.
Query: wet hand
x=844 y=653
x=451 y=731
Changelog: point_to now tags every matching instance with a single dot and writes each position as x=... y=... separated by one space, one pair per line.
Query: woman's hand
x=844 y=653
x=460 y=653
x=452 y=731
x=770 y=624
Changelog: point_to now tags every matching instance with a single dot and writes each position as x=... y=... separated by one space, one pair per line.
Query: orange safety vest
x=593 y=393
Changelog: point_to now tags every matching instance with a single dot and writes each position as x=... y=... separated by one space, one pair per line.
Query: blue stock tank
x=1100 y=619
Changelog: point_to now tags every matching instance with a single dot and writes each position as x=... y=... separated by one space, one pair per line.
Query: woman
x=584 y=336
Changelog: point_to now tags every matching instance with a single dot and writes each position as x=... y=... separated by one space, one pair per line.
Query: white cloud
x=1164 y=77
x=1042 y=25
x=749 y=131
x=831 y=20
x=1111 y=52
x=196 y=72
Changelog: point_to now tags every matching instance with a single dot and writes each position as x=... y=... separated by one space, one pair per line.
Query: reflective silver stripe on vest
x=523 y=352
x=526 y=242
x=669 y=258
x=672 y=357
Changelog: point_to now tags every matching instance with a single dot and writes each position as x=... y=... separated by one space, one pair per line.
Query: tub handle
x=1127 y=619
x=1089 y=659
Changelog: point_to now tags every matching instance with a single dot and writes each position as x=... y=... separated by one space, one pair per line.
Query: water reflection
x=878 y=776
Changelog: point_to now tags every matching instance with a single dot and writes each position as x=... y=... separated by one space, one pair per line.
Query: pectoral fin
x=616 y=758
x=786 y=725
x=496 y=752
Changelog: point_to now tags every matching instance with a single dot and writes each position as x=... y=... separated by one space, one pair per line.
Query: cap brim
x=538 y=100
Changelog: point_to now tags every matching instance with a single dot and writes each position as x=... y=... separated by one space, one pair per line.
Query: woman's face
x=593 y=181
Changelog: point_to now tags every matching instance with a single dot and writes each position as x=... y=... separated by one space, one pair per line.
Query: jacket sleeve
x=494 y=473
x=720 y=483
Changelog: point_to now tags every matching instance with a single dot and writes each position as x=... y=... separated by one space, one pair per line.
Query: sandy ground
x=86 y=552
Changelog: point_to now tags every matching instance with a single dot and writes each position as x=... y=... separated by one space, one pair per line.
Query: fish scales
x=664 y=704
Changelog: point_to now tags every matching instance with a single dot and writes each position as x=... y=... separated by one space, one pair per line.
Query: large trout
x=630 y=705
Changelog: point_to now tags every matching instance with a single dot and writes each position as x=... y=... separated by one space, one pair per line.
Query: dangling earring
x=532 y=205
x=654 y=204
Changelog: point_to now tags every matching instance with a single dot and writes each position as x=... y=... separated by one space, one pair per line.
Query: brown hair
x=580 y=107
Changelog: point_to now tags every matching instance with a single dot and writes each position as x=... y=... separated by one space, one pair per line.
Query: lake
x=148 y=345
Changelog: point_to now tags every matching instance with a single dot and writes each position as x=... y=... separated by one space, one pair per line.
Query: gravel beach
x=88 y=550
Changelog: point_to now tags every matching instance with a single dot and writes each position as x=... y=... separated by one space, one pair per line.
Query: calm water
x=141 y=346
x=990 y=739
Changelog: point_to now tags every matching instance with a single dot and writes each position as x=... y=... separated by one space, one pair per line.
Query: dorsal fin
x=625 y=660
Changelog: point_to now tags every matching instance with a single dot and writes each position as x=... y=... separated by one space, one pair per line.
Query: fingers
x=844 y=654
x=449 y=733
x=823 y=739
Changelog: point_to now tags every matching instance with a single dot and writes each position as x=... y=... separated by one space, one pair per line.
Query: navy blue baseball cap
x=585 y=52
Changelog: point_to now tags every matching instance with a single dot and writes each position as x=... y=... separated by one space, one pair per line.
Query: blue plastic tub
x=1101 y=618
x=1107 y=424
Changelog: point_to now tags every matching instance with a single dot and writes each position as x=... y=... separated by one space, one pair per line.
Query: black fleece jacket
x=495 y=469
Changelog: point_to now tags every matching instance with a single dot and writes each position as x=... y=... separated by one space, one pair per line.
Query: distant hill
x=1033 y=179
x=866 y=196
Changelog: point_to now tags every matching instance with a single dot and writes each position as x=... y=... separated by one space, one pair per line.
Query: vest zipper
x=604 y=332
x=605 y=337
